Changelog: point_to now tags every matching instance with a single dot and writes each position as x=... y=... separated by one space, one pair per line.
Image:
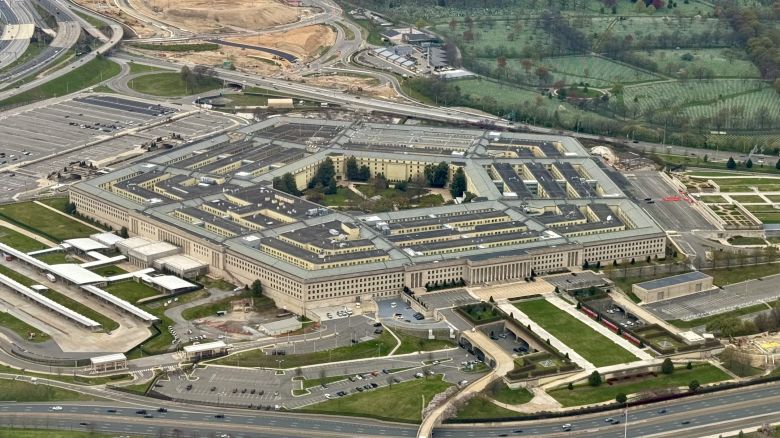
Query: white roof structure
x=108 y=239
x=168 y=282
x=134 y=242
x=155 y=248
x=128 y=275
x=103 y=261
x=39 y=288
x=180 y=262
x=46 y=302
x=204 y=347
x=109 y=358
x=75 y=274
x=122 y=304
x=96 y=255
x=282 y=326
x=84 y=244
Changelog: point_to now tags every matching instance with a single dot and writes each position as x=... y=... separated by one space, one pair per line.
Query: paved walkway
x=600 y=328
x=523 y=319
x=644 y=314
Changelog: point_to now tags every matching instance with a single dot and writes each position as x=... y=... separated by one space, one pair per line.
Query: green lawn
x=53 y=258
x=109 y=271
x=58 y=203
x=142 y=68
x=21 y=328
x=402 y=401
x=507 y=395
x=171 y=84
x=19 y=241
x=215 y=283
x=722 y=277
x=380 y=346
x=585 y=394
x=741 y=240
x=45 y=222
x=594 y=347
x=480 y=407
x=91 y=73
x=131 y=291
x=211 y=309
x=19 y=278
x=21 y=391
x=413 y=344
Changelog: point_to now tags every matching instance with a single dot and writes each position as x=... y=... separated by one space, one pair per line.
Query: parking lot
x=616 y=313
x=506 y=340
x=265 y=388
x=446 y=299
x=670 y=215
x=717 y=301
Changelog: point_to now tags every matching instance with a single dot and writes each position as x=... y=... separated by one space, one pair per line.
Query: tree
x=437 y=175
x=325 y=173
x=667 y=367
x=731 y=164
x=401 y=186
x=351 y=168
x=256 y=288
x=777 y=164
x=286 y=183
x=694 y=385
x=621 y=398
x=571 y=386
x=749 y=163
x=70 y=208
x=458 y=185
x=594 y=379
x=123 y=233
x=453 y=24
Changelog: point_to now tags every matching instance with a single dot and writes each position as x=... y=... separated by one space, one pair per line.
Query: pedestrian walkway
x=523 y=319
x=600 y=328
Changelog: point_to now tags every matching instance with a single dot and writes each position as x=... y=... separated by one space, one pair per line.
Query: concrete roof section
x=673 y=280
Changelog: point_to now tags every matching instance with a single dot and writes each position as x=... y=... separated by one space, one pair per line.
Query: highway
x=692 y=417
x=14 y=37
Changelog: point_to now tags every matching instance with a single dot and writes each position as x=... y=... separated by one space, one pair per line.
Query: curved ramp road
x=16 y=33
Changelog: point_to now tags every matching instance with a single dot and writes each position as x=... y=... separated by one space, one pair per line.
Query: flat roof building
x=203 y=351
x=672 y=287
x=109 y=362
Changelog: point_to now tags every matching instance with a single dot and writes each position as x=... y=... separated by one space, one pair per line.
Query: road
x=705 y=415
x=14 y=39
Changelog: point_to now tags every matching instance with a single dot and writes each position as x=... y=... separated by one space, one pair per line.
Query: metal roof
x=673 y=280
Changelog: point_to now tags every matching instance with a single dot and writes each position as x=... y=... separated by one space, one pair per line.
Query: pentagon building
x=542 y=204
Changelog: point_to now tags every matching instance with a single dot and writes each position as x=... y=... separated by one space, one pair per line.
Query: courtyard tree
x=458 y=185
x=437 y=175
x=256 y=288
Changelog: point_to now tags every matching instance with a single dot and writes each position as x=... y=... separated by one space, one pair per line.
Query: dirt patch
x=110 y=9
x=354 y=84
x=218 y=15
x=257 y=63
x=304 y=42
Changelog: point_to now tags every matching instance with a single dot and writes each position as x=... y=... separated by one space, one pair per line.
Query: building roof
x=181 y=262
x=108 y=239
x=168 y=282
x=155 y=248
x=122 y=304
x=134 y=242
x=109 y=358
x=283 y=325
x=75 y=274
x=673 y=280
x=204 y=347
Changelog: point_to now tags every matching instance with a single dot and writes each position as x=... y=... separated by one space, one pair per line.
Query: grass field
x=593 y=346
x=42 y=221
x=107 y=323
x=142 y=68
x=402 y=401
x=53 y=258
x=722 y=277
x=748 y=199
x=594 y=70
x=480 y=407
x=131 y=291
x=19 y=241
x=311 y=383
x=585 y=394
x=21 y=328
x=171 y=84
x=413 y=344
x=81 y=380
x=91 y=73
x=25 y=392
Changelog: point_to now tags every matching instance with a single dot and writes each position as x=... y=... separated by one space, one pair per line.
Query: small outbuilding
x=672 y=287
x=109 y=362
x=203 y=351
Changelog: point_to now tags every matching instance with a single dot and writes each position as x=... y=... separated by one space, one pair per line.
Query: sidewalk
x=523 y=319
x=600 y=328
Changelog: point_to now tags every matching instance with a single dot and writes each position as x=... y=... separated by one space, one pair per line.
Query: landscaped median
x=21 y=328
x=585 y=394
x=591 y=345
